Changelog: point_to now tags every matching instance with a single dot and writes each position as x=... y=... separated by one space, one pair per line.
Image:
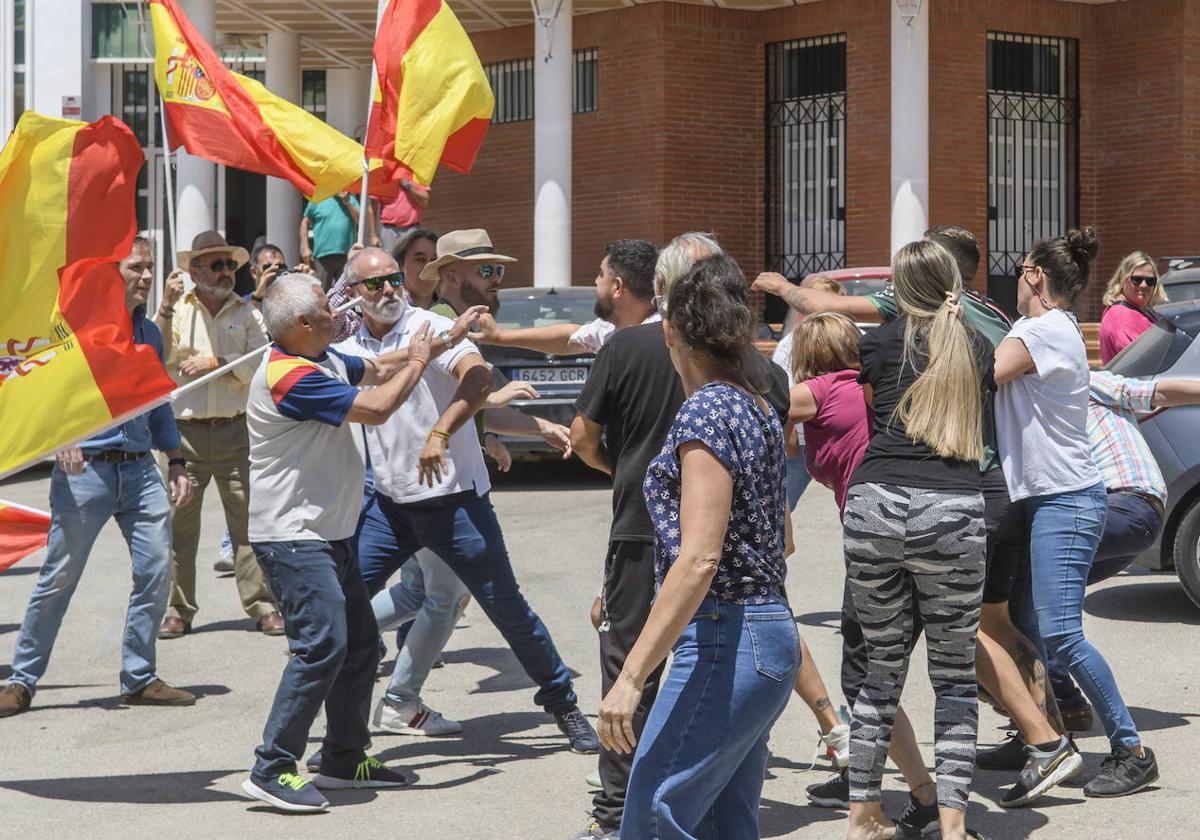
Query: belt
x=211 y=421
x=1150 y=499
x=113 y=456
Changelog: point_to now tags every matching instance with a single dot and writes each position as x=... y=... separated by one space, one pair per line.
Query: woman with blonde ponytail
x=914 y=530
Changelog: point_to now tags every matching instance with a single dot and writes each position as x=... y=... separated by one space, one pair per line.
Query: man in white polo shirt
x=306 y=478
x=432 y=486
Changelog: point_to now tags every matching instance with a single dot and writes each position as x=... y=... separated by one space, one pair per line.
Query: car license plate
x=551 y=375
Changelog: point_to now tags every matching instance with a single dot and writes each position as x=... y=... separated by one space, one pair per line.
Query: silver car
x=1169 y=350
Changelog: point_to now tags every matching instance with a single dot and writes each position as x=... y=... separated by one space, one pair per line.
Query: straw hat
x=211 y=242
x=470 y=245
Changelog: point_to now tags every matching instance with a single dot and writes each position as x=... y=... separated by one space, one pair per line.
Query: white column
x=283 y=201
x=346 y=93
x=7 y=24
x=910 y=125
x=553 y=79
x=58 y=40
x=196 y=178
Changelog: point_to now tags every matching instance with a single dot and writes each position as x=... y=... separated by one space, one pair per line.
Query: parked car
x=1182 y=284
x=559 y=379
x=855 y=281
x=1169 y=350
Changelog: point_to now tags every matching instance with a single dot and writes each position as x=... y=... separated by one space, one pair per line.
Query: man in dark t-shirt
x=624 y=412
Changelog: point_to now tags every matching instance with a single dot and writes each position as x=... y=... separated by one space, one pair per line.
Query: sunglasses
x=487 y=270
x=374 y=284
x=1148 y=282
x=1022 y=270
x=216 y=265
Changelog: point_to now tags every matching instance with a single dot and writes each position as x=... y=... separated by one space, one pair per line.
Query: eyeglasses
x=216 y=265
x=1022 y=270
x=374 y=284
x=276 y=267
x=487 y=270
x=1139 y=280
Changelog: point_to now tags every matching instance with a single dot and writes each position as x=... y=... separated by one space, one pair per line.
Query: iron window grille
x=805 y=193
x=512 y=86
x=313 y=93
x=1033 y=147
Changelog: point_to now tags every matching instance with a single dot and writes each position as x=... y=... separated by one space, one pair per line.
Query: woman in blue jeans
x=1041 y=425
x=716 y=496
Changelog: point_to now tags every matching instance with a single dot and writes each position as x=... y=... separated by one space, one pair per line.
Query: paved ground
x=80 y=764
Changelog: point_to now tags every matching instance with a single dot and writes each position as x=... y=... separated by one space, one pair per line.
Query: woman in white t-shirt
x=1041 y=418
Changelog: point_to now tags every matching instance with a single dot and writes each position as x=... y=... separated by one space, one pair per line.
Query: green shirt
x=331 y=225
x=994 y=326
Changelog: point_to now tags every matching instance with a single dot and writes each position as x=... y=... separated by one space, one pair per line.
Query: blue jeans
x=428 y=594
x=335 y=650
x=463 y=531
x=797 y=479
x=698 y=770
x=1065 y=530
x=133 y=493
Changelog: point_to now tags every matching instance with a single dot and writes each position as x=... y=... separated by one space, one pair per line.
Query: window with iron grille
x=806 y=157
x=512 y=86
x=1033 y=148
x=18 y=50
x=312 y=96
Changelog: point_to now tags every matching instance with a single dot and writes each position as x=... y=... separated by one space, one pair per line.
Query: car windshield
x=544 y=309
x=1182 y=291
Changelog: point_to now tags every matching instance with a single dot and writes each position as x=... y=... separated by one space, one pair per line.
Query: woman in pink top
x=828 y=400
x=1130 y=298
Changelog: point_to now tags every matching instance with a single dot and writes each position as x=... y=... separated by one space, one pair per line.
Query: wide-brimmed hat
x=471 y=245
x=211 y=242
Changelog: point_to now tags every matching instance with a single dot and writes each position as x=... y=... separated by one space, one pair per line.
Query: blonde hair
x=942 y=407
x=1116 y=284
x=824 y=343
x=825 y=284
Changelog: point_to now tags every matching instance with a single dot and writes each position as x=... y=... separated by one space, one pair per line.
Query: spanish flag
x=231 y=119
x=68 y=364
x=23 y=531
x=433 y=103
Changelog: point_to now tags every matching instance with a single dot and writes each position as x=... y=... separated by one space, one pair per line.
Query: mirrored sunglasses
x=374 y=284
x=487 y=270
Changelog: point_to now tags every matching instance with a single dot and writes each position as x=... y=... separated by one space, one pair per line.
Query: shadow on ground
x=1160 y=599
x=139 y=789
x=509 y=676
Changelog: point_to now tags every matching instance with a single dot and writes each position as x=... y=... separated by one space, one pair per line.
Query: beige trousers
x=221 y=453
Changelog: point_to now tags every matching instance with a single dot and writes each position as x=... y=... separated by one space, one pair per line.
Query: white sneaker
x=838 y=740
x=412 y=719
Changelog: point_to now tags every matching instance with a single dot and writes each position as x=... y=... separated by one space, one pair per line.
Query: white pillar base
x=553 y=84
x=910 y=127
x=196 y=183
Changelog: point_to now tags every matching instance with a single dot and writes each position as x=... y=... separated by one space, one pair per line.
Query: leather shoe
x=271 y=624
x=158 y=693
x=173 y=627
x=14 y=699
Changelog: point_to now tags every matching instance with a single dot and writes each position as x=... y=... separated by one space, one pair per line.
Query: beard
x=603 y=309
x=387 y=311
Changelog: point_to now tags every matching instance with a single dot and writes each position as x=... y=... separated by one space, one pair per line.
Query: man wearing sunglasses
x=209 y=326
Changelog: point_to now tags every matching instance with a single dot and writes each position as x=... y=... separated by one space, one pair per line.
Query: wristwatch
x=444 y=335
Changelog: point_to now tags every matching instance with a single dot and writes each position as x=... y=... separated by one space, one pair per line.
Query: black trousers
x=628 y=593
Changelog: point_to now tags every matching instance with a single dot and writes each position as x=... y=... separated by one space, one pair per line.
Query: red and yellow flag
x=68 y=364
x=22 y=531
x=433 y=103
x=231 y=119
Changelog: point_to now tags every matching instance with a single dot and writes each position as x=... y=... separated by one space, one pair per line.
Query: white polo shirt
x=594 y=334
x=395 y=446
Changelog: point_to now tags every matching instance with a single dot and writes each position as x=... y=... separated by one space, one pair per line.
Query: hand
x=306 y=253
x=303 y=268
x=463 y=323
x=498 y=452
x=486 y=331
x=512 y=391
x=954 y=304
x=420 y=346
x=431 y=465
x=354 y=249
x=771 y=283
x=557 y=436
x=265 y=280
x=198 y=365
x=616 y=716
x=70 y=460
x=173 y=288
x=179 y=485
x=375 y=242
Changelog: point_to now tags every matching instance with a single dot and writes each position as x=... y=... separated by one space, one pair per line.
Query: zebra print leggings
x=901 y=541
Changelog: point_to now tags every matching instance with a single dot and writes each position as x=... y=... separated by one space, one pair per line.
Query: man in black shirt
x=623 y=415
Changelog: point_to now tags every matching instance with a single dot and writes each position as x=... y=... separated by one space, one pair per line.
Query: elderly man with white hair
x=306 y=479
x=622 y=418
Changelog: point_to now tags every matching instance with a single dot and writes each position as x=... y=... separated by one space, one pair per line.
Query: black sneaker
x=1007 y=756
x=313 y=765
x=368 y=773
x=595 y=831
x=1042 y=771
x=288 y=792
x=917 y=820
x=579 y=732
x=834 y=793
x=1123 y=773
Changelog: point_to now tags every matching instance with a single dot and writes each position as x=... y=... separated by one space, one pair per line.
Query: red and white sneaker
x=412 y=719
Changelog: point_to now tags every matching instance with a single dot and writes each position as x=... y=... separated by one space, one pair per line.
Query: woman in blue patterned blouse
x=716 y=497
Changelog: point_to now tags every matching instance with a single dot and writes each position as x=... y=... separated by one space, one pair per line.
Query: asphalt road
x=79 y=764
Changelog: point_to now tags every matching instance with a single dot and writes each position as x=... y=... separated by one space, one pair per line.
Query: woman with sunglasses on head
x=1129 y=304
x=1041 y=426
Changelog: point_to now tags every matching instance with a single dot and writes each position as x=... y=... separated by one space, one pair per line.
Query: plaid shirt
x=1119 y=451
